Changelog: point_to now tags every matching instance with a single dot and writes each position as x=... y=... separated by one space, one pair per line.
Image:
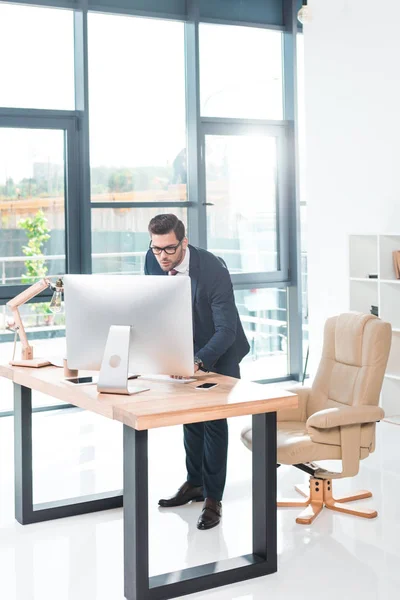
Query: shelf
x=395 y=420
x=387 y=244
x=389 y=305
x=375 y=280
x=373 y=254
x=397 y=281
x=364 y=294
x=365 y=279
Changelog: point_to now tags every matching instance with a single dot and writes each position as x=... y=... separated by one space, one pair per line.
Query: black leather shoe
x=211 y=514
x=186 y=493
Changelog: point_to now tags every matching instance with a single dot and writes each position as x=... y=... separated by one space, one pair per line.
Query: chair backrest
x=353 y=363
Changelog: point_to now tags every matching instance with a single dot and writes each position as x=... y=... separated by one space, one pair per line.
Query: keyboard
x=167 y=378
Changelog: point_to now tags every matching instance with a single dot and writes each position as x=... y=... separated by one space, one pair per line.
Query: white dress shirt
x=183 y=268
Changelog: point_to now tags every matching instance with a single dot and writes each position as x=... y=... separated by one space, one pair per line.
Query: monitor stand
x=113 y=378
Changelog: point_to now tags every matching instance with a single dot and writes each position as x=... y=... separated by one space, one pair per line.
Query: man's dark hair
x=162 y=224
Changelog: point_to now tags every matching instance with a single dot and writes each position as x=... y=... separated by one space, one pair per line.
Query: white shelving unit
x=372 y=255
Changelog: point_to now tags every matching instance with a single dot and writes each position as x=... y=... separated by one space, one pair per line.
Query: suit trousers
x=206 y=446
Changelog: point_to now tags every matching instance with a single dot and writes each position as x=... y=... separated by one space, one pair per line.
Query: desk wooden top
x=165 y=403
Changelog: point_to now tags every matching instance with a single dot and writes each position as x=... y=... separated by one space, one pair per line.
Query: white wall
x=352 y=91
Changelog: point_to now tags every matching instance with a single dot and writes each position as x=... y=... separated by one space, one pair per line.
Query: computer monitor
x=157 y=309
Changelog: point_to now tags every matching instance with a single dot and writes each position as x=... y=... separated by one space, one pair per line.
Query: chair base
x=319 y=495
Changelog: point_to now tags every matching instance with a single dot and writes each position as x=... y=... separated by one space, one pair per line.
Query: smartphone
x=206 y=386
x=86 y=380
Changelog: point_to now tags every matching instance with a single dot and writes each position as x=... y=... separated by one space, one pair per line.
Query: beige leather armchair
x=336 y=417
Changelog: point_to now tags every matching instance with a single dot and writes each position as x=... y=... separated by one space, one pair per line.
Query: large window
x=120 y=238
x=264 y=317
x=246 y=201
x=108 y=120
x=242 y=192
x=37 y=64
x=46 y=335
x=32 y=204
x=137 y=109
x=138 y=151
x=241 y=72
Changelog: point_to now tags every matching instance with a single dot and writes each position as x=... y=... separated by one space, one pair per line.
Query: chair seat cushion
x=294 y=445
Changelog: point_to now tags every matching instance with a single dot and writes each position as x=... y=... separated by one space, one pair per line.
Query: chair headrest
x=349 y=334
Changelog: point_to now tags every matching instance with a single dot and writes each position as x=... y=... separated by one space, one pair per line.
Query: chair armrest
x=299 y=413
x=348 y=415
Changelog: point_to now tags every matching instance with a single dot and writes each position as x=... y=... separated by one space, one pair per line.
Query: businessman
x=219 y=346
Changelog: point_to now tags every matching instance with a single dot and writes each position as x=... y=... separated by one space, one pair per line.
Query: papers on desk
x=56 y=361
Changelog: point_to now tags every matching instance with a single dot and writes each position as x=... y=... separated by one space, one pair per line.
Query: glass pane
x=137 y=147
x=303 y=190
x=39 y=46
x=46 y=333
x=240 y=72
x=301 y=117
x=80 y=462
x=264 y=317
x=32 y=203
x=241 y=186
x=120 y=238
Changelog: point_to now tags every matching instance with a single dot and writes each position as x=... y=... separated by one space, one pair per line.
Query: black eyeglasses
x=168 y=249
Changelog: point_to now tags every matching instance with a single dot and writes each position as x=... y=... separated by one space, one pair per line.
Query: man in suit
x=219 y=346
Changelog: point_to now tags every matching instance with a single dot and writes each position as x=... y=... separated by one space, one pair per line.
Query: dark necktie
x=172 y=272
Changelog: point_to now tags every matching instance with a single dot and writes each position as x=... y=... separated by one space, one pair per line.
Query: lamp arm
x=27 y=349
x=15 y=303
x=29 y=293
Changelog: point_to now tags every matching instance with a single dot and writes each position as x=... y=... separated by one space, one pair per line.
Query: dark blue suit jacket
x=219 y=339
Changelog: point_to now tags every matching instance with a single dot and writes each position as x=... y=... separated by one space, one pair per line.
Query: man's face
x=166 y=260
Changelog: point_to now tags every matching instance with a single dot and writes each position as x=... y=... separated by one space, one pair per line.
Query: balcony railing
x=140 y=255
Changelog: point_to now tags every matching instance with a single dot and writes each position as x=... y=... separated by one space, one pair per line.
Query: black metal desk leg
x=23 y=454
x=25 y=511
x=263 y=560
x=264 y=488
x=136 y=517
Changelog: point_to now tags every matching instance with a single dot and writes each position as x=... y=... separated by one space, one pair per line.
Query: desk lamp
x=27 y=359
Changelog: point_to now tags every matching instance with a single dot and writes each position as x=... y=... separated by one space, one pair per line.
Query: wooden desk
x=163 y=405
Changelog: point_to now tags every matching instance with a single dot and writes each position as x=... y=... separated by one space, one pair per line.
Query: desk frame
x=138 y=584
x=25 y=511
x=263 y=560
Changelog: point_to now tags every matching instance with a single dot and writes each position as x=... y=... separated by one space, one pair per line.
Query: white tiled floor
x=80 y=558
